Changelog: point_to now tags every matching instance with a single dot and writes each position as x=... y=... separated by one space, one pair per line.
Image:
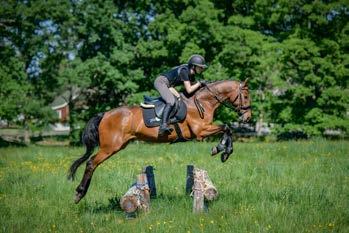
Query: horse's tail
x=90 y=138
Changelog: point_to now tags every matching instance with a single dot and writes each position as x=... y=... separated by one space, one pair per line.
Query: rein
x=240 y=107
x=201 y=109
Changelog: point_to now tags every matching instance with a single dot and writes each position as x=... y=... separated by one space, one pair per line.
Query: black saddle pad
x=152 y=115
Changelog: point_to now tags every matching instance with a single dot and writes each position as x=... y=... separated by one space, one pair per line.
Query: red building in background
x=61 y=106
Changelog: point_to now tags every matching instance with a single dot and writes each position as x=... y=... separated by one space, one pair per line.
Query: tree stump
x=137 y=197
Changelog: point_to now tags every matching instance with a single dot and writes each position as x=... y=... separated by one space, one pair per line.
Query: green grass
x=264 y=187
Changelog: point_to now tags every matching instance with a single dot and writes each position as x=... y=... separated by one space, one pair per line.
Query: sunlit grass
x=264 y=187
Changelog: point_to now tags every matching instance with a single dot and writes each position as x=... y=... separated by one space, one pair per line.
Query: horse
x=112 y=130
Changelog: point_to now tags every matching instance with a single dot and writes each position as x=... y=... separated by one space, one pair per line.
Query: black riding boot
x=164 y=121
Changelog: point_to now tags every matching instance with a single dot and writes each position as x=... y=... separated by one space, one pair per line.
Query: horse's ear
x=245 y=82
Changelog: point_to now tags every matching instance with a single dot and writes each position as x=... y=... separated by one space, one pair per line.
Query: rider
x=181 y=74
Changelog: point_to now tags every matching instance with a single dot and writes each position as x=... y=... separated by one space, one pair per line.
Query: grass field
x=264 y=187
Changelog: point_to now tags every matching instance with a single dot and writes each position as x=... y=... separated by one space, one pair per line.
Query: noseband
x=240 y=106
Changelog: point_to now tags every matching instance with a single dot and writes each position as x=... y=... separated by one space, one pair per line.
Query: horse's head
x=234 y=92
x=240 y=99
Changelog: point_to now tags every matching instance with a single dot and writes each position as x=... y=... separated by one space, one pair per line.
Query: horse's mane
x=203 y=89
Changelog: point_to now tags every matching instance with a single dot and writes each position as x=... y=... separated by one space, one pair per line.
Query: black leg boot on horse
x=164 y=129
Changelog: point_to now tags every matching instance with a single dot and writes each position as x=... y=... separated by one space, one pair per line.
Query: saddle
x=153 y=109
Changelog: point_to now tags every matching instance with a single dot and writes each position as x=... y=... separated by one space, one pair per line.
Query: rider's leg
x=165 y=119
x=162 y=85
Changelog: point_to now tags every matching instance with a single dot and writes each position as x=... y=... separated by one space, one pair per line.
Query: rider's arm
x=184 y=75
x=191 y=88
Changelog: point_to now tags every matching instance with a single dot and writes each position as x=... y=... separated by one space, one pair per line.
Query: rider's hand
x=203 y=83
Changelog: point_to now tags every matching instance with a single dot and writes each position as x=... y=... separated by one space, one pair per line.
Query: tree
x=294 y=53
x=19 y=99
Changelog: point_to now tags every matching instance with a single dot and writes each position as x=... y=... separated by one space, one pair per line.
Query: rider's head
x=197 y=62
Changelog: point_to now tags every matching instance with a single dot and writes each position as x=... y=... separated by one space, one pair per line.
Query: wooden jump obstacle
x=138 y=196
x=200 y=186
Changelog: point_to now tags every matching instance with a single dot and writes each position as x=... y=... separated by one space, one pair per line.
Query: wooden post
x=203 y=190
x=149 y=171
x=189 y=179
x=198 y=194
x=142 y=185
x=137 y=197
x=26 y=137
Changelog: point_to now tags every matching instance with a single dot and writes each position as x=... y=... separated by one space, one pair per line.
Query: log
x=137 y=197
x=210 y=191
x=198 y=195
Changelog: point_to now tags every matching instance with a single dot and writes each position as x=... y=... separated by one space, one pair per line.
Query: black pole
x=189 y=179
x=149 y=171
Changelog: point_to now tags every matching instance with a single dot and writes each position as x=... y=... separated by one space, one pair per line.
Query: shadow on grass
x=5 y=143
x=113 y=204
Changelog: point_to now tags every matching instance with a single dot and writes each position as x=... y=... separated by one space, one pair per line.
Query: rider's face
x=199 y=69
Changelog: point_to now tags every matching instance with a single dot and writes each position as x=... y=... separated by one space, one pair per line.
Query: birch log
x=137 y=197
x=198 y=194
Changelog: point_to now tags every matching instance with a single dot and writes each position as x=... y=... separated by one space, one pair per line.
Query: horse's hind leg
x=102 y=155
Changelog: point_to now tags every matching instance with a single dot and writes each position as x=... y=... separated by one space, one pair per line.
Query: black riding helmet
x=197 y=60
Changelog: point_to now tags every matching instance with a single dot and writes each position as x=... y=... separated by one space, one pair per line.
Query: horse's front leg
x=209 y=130
x=221 y=145
x=226 y=142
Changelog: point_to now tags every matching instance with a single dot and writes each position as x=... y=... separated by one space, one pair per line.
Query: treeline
x=295 y=54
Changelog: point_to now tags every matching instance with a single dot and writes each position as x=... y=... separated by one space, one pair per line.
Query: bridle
x=240 y=106
x=240 y=109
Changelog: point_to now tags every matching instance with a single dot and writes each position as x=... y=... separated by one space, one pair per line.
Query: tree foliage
x=295 y=54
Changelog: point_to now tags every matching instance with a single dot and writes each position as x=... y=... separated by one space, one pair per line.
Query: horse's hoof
x=77 y=198
x=224 y=157
x=214 y=151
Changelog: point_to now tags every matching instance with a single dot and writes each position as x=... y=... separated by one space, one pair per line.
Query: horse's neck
x=212 y=96
x=220 y=90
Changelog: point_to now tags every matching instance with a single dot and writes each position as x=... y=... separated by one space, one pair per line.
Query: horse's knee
x=227 y=129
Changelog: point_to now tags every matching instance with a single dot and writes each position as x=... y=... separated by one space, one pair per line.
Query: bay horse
x=112 y=130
